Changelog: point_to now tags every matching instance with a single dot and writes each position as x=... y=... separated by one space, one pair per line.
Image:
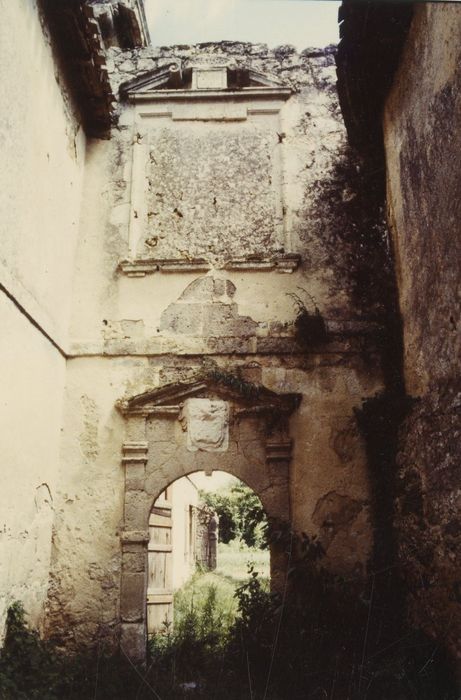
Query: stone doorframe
x=157 y=451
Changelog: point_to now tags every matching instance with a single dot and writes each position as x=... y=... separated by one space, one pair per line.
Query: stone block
x=134 y=476
x=133 y=640
x=186 y=319
x=134 y=562
x=133 y=596
x=200 y=289
x=136 y=510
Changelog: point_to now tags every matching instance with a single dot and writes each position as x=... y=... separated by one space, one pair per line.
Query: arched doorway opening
x=211 y=423
x=204 y=533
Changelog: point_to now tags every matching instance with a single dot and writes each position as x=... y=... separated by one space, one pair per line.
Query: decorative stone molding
x=254 y=397
x=280 y=263
x=134 y=452
x=134 y=536
x=147 y=266
x=278 y=450
x=242 y=449
x=203 y=80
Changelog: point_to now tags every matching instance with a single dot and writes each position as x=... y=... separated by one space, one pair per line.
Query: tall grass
x=321 y=643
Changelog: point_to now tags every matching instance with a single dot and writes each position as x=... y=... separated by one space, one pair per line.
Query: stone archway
x=213 y=422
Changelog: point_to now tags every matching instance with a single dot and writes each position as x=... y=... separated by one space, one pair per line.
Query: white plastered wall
x=40 y=186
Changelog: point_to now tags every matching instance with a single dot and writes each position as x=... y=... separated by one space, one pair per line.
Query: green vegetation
x=327 y=639
x=232 y=571
x=241 y=515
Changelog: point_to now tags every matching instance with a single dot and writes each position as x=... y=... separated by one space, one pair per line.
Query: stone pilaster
x=134 y=542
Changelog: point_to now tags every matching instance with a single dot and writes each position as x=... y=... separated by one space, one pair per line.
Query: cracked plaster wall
x=310 y=140
x=422 y=131
x=43 y=147
x=40 y=186
x=132 y=334
x=84 y=594
x=33 y=377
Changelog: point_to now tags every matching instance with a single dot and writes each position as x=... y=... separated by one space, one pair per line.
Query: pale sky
x=217 y=481
x=303 y=23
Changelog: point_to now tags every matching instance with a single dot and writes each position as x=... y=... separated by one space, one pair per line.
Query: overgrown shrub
x=241 y=515
x=309 y=324
x=322 y=637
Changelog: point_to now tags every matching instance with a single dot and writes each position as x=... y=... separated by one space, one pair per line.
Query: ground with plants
x=234 y=559
x=324 y=639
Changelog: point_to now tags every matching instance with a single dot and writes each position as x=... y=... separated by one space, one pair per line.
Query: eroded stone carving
x=207 y=425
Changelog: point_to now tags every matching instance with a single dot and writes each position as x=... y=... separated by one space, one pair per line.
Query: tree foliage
x=241 y=515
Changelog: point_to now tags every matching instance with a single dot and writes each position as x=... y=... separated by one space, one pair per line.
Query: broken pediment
x=208 y=75
x=213 y=384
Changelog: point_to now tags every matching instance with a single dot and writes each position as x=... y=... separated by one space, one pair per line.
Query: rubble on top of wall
x=298 y=69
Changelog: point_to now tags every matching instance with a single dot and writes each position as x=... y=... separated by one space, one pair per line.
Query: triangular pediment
x=214 y=384
x=197 y=78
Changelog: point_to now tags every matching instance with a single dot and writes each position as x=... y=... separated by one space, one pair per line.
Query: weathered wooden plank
x=160 y=521
x=160 y=547
x=159 y=598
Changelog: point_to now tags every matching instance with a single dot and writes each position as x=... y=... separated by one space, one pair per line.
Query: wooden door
x=160 y=567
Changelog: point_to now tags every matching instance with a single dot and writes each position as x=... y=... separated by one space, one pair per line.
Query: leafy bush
x=324 y=638
x=241 y=515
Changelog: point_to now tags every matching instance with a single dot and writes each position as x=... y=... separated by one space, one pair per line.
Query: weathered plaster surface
x=423 y=139
x=422 y=129
x=130 y=334
x=200 y=174
x=33 y=376
x=40 y=183
x=277 y=209
x=84 y=597
x=44 y=148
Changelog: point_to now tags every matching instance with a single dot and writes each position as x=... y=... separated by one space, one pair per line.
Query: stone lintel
x=134 y=537
x=134 y=452
x=278 y=450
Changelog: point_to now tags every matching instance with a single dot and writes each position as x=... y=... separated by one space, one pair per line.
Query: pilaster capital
x=134 y=452
x=134 y=537
x=278 y=450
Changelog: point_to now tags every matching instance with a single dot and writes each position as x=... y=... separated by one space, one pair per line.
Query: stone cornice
x=139 y=267
x=279 y=450
x=134 y=537
x=222 y=384
x=134 y=452
x=80 y=48
x=279 y=93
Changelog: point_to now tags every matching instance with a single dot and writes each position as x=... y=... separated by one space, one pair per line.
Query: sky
x=303 y=23
x=215 y=482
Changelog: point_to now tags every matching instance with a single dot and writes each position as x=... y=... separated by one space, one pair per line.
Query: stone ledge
x=134 y=452
x=278 y=93
x=140 y=267
x=278 y=451
x=134 y=537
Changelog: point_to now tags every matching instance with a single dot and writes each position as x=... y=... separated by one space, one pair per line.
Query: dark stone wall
x=399 y=85
x=422 y=138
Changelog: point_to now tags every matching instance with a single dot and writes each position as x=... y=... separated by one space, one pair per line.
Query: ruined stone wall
x=138 y=325
x=422 y=132
x=40 y=184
